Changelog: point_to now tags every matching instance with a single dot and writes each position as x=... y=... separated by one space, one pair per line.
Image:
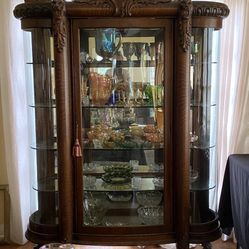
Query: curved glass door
x=122 y=102
x=203 y=122
x=42 y=128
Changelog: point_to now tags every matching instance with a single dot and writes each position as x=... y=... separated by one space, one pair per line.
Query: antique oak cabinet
x=122 y=104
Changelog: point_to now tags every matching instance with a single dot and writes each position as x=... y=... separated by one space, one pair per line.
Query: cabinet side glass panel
x=42 y=126
x=203 y=123
x=122 y=103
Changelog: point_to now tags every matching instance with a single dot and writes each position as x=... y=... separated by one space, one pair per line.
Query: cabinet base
x=128 y=240
x=39 y=233
x=206 y=232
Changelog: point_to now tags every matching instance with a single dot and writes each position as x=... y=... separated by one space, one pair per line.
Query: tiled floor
x=219 y=244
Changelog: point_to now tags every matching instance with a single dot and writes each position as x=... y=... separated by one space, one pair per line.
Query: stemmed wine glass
x=138 y=50
x=152 y=51
x=128 y=49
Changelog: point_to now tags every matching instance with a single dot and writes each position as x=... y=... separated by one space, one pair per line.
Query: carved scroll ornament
x=59 y=25
x=184 y=23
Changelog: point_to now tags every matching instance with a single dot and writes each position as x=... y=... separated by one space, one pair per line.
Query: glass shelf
x=50 y=63
x=121 y=106
x=142 y=184
x=196 y=105
x=153 y=147
x=141 y=169
x=199 y=147
x=124 y=64
x=49 y=184
x=97 y=169
x=44 y=146
x=37 y=105
x=203 y=63
x=198 y=187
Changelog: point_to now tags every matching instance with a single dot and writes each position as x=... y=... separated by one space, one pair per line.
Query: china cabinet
x=122 y=142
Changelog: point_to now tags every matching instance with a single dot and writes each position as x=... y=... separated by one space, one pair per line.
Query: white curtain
x=14 y=109
x=233 y=129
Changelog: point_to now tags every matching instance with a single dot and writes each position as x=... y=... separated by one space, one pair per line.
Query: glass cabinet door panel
x=203 y=123
x=122 y=102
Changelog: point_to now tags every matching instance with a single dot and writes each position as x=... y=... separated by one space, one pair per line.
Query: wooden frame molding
x=64 y=121
x=214 y=9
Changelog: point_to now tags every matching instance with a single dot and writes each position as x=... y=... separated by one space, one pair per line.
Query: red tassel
x=77 y=149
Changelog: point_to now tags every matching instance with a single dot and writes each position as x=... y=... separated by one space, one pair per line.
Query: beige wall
x=3 y=170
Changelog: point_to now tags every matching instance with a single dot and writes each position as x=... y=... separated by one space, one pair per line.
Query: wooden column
x=64 y=130
x=181 y=123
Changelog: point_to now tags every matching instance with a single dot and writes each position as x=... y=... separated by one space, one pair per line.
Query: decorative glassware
x=101 y=88
x=152 y=51
x=134 y=164
x=151 y=215
x=94 y=212
x=146 y=198
x=158 y=182
x=106 y=45
x=139 y=46
x=129 y=50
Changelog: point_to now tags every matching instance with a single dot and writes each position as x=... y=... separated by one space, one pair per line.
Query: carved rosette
x=184 y=23
x=59 y=24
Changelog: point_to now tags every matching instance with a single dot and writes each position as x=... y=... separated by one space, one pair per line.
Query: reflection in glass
x=105 y=41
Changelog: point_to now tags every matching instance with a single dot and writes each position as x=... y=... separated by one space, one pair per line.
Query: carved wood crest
x=125 y=7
